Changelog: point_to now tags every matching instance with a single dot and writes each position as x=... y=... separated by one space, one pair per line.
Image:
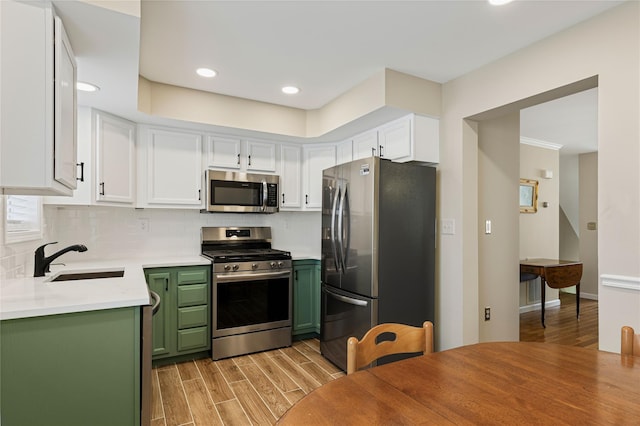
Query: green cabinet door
x=159 y=283
x=306 y=297
x=71 y=369
x=182 y=324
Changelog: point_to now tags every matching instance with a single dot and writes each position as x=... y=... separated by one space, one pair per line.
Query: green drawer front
x=195 y=294
x=194 y=316
x=193 y=276
x=193 y=338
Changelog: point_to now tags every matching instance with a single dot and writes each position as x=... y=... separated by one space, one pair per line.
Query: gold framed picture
x=528 y=196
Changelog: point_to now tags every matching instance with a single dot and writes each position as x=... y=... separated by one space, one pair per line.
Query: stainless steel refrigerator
x=378 y=249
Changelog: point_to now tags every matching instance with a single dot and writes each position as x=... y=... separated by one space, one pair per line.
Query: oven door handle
x=251 y=277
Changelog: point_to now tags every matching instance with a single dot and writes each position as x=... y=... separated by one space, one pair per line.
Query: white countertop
x=32 y=297
x=298 y=255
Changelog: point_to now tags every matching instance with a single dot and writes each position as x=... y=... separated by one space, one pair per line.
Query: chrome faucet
x=42 y=263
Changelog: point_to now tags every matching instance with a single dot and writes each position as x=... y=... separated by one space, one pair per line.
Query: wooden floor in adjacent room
x=248 y=390
x=562 y=326
x=257 y=389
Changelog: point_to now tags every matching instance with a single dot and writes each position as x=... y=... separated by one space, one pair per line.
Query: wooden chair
x=630 y=342
x=408 y=339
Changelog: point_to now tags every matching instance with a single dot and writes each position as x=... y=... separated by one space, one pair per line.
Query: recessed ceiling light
x=86 y=87
x=499 y=2
x=206 y=72
x=290 y=90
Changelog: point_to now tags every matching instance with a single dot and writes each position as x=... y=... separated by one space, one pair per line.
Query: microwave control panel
x=272 y=195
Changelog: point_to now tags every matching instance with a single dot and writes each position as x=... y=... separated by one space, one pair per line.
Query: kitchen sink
x=88 y=275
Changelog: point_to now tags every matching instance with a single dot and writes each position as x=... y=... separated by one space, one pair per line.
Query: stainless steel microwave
x=241 y=192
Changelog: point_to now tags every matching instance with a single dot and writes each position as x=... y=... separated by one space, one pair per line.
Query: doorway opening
x=497 y=134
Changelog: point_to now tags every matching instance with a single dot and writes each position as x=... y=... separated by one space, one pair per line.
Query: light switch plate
x=487 y=227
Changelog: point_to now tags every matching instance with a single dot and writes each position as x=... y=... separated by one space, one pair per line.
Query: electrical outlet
x=487 y=313
x=143 y=224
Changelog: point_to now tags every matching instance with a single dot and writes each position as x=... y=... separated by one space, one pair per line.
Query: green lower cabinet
x=71 y=369
x=306 y=297
x=182 y=324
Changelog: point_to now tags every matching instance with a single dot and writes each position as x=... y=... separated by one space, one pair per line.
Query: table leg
x=543 y=284
x=578 y=301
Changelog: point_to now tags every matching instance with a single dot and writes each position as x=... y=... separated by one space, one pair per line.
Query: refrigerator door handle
x=346 y=229
x=334 y=209
x=341 y=231
x=346 y=299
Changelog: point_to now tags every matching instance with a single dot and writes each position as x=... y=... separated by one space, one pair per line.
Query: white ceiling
x=324 y=47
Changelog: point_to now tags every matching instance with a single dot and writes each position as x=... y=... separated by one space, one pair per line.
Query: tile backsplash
x=116 y=233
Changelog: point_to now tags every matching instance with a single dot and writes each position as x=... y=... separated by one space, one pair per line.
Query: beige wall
x=498 y=170
x=608 y=47
x=588 y=245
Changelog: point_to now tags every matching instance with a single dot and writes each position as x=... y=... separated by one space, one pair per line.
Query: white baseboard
x=536 y=306
x=589 y=296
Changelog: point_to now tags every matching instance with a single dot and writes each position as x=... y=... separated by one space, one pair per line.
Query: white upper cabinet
x=365 y=145
x=243 y=155
x=316 y=159
x=37 y=102
x=82 y=195
x=394 y=140
x=344 y=152
x=223 y=152
x=410 y=138
x=261 y=156
x=115 y=159
x=170 y=169
x=290 y=177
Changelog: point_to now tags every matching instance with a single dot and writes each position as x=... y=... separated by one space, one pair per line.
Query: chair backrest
x=630 y=342
x=407 y=339
x=563 y=276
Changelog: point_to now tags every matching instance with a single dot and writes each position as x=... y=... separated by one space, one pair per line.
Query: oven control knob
x=235 y=267
x=254 y=266
x=280 y=264
x=273 y=265
x=227 y=267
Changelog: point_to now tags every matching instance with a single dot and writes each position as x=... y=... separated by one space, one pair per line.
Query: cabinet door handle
x=199 y=195
x=166 y=284
x=81 y=165
x=373 y=152
x=296 y=275
x=238 y=159
x=249 y=159
x=283 y=198
x=381 y=154
x=306 y=198
x=101 y=188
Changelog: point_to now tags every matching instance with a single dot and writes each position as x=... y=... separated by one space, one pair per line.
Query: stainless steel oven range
x=251 y=291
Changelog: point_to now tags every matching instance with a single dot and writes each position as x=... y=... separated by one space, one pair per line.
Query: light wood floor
x=249 y=390
x=562 y=326
x=257 y=389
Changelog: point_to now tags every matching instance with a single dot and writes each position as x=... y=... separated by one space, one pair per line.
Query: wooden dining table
x=510 y=383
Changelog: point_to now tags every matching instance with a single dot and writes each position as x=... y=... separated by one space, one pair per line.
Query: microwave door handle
x=334 y=208
x=264 y=195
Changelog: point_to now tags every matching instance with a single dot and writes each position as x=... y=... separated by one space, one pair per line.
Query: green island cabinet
x=306 y=297
x=182 y=324
x=71 y=369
